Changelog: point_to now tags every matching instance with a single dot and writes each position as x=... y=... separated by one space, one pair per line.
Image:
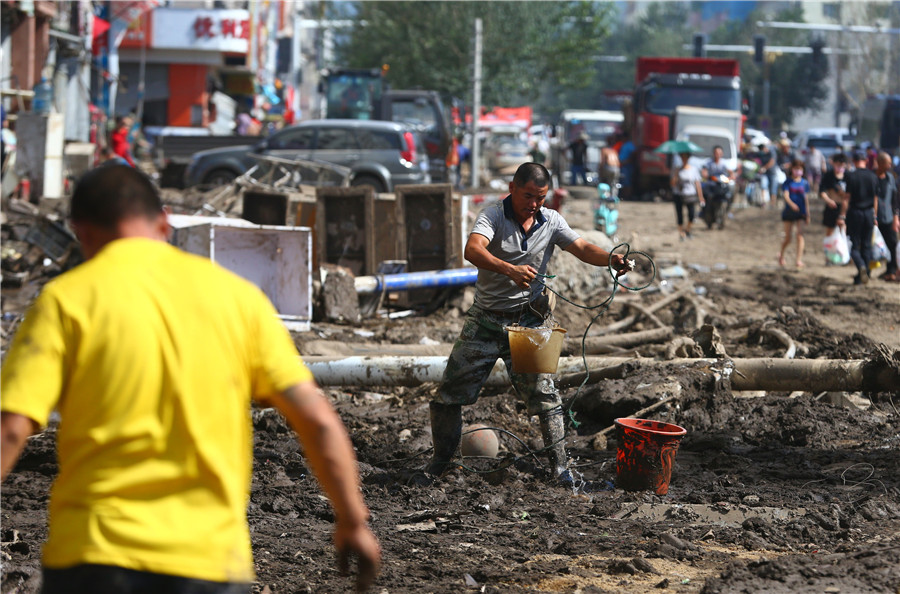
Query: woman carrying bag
x=687 y=191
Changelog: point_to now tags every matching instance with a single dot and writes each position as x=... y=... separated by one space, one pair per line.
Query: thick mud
x=770 y=492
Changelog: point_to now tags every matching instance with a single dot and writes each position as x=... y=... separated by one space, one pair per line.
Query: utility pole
x=767 y=90
x=476 y=106
x=838 y=68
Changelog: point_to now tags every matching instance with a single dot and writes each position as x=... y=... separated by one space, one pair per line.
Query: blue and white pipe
x=415 y=280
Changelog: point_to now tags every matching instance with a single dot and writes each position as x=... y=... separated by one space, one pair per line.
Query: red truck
x=661 y=85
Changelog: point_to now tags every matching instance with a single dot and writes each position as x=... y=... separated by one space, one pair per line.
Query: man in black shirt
x=579 y=158
x=858 y=213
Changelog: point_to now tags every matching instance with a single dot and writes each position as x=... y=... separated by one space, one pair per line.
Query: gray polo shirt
x=508 y=241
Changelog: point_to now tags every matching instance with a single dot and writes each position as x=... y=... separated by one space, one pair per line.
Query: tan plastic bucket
x=535 y=350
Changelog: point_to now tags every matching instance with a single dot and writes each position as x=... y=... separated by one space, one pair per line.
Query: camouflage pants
x=482 y=341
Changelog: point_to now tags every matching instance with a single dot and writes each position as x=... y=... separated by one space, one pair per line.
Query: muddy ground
x=771 y=492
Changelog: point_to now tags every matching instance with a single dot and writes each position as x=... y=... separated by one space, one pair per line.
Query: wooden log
x=783 y=337
x=778 y=375
x=595 y=344
x=699 y=312
x=683 y=343
x=628 y=321
x=645 y=311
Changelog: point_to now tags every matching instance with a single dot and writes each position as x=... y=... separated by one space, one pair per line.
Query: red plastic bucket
x=646 y=454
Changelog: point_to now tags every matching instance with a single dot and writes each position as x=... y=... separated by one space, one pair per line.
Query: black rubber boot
x=553 y=431
x=446 y=432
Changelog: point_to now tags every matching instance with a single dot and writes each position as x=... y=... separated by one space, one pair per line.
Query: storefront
x=187 y=47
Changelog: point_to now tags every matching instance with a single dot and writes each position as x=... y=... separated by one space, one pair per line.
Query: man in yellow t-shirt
x=152 y=356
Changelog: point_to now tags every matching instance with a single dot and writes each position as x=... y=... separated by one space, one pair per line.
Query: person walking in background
x=152 y=357
x=537 y=155
x=243 y=121
x=768 y=172
x=464 y=157
x=795 y=215
x=451 y=162
x=511 y=243
x=687 y=192
x=118 y=140
x=578 y=148
x=816 y=166
x=833 y=191
x=888 y=215
x=627 y=156
x=108 y=157
x=784 y=158
x=858 y=212
x=609 y=165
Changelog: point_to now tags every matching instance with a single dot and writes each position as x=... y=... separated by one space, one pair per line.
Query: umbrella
x=677 y=147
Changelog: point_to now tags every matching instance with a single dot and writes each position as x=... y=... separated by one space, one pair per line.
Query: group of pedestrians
x=858 y=197
x=859 y=193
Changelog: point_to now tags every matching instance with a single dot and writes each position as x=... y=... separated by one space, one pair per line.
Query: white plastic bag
x=880 y=251
x=837 y=247
x=780 y=178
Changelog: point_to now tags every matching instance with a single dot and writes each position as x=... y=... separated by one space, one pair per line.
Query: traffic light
x=759 y=49
x=699 y=45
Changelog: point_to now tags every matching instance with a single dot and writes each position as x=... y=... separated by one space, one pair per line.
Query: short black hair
x=839 y=158
x=107 y=195
x=718 y=146
x=532 y=172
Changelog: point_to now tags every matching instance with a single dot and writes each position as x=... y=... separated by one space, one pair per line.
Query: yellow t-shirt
x=151 y=356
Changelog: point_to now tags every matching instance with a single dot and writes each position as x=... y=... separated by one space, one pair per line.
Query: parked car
x=379 y=154
x=504 y=150
x=826 y=140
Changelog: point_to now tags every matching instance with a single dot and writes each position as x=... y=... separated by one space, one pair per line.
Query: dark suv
x=378 y=154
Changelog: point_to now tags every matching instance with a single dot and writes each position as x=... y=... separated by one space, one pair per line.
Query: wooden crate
x=430 y=237
x=265 y=208
x=345 y=228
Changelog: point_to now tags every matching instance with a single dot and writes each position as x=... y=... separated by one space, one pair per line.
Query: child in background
x=796 y=210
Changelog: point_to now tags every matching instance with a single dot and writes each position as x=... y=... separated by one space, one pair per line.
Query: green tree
x=796 y=81
x=527 y=45
x=660 y=31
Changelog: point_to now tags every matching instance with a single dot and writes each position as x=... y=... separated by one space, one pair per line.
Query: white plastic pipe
x=745 y=374
x=410 y=371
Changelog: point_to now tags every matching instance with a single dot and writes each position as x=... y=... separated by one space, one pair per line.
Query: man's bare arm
x=331 y=457
x=14 y=431
x=477 y=253
x=591 y=254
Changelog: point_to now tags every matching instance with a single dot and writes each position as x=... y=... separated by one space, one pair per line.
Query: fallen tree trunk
x=595 y=343
x=778 y=375
x=782 y=375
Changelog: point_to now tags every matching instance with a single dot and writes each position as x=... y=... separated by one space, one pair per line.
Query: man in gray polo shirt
x=511 y=243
